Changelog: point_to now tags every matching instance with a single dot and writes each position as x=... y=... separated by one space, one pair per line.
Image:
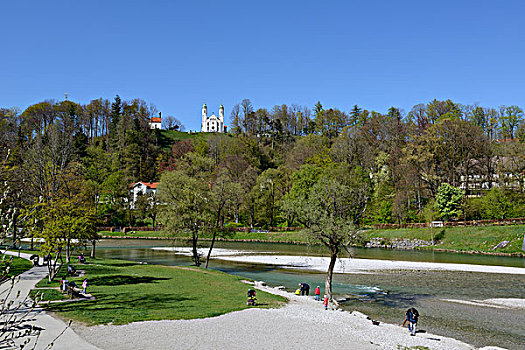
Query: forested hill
x=441 y=160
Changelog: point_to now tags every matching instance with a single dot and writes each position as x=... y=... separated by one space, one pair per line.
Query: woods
x=68 y=168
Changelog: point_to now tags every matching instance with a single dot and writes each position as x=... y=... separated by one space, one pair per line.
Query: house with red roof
x=142 y=189
x=155 y=122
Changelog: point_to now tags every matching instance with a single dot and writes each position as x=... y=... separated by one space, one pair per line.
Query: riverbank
x=343 y=265
x=486 y=240
x=302 y=323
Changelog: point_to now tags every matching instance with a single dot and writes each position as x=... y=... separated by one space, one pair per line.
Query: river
x=383 y=295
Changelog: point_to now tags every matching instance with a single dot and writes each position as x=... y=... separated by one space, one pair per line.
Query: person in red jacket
x=317 y=292
x=325 y=302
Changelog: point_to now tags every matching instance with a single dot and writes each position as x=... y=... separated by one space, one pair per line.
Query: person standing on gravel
x=317 y=293
x=411 y=316
x=305 y=288
x=325 y=302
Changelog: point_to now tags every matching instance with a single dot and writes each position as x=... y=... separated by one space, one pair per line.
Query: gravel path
x=303 y=323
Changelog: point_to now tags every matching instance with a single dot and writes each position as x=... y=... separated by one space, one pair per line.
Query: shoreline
x=343 y=265
x=301 y=323
x=441 y=250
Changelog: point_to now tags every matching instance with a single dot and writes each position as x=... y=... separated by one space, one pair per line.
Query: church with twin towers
x=213 y=123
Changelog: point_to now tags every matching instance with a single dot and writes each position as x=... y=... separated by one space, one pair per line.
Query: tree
x=172 y=123
x=186 y=207
x=224 y=193
x=449 y=201
x=330 y=209
x=496 y=204
x=510 y=120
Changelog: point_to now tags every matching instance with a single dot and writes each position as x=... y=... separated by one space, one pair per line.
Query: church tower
x=221 y=114
x=204 y=117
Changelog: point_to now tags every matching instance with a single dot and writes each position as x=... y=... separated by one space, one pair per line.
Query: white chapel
x=213 y=123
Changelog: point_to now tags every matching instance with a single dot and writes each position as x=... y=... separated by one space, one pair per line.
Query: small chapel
x=213 y=123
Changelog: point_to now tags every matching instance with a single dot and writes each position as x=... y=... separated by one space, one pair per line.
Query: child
x=325 y=302
x=84 y=286
x=317 y=293
x=298 y=291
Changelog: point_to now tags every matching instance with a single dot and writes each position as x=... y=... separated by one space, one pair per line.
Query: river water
x=382 y=295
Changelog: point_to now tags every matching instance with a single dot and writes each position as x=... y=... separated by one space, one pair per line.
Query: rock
x=501 y=244
x=259 y=284
x=280 y=287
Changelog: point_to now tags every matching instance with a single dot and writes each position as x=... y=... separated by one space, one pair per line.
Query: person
x=325 y=302
x=317 y=293
x=305 y=288
x=298 y=291
x=84 y=286
x=81 y=259
x=63 y=284
x=411 y=316
x=252 y=300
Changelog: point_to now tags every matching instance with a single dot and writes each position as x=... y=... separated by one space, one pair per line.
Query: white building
x=213 y=123
x=155 y=122
x=140 y=189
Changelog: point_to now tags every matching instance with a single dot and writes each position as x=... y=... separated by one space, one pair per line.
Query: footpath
x=52 y=330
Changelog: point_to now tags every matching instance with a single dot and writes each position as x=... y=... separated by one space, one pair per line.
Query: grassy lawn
x=463 y=238
x=142 y=234
x=47 y=294
x=291 y=236
x=18 y=265
x=127 y=292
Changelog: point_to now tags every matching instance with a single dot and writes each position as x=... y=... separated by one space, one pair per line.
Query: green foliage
x=496 y=204
x=449 y=201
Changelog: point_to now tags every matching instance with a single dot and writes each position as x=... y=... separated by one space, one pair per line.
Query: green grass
x=129 y=292
x=169 y=137
x=47 y=294
x=287 y=236
x=18 y=265
x=482 y=239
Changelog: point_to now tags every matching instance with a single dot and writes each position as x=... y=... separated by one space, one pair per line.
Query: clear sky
x=178 y=54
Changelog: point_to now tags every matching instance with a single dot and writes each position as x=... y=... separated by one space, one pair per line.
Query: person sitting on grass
x=81 y=259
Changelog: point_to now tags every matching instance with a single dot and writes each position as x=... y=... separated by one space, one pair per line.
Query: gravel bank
x=343 y=265
x=302 y=323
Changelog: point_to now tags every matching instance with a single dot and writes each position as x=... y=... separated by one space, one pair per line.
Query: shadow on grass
x=122 y=303
x=119 y=280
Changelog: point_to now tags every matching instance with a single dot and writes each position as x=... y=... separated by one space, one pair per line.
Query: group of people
x=304 y=289
x=411 y=315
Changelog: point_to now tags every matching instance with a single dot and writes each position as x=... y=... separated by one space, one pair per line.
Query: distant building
x=213 y=123
x=155 y=122
x=140 y=189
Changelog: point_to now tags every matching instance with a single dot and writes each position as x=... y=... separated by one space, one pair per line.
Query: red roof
x=147 y=184
x=155 y=120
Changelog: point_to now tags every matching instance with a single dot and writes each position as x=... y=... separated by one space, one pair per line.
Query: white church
x=213 y=123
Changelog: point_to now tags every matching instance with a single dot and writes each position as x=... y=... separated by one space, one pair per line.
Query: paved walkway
x=51 y=327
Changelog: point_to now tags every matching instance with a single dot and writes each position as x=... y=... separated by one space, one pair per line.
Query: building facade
x=155 y=122
x=213 y=123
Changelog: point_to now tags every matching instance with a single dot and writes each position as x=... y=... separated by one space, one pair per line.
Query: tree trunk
x=68 y=252
x=93 y=243
x=211 y=247
x=195 y=253
x=330 y=273
x=52 y=266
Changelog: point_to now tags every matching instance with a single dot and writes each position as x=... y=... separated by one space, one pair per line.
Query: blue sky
x=178 y=54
